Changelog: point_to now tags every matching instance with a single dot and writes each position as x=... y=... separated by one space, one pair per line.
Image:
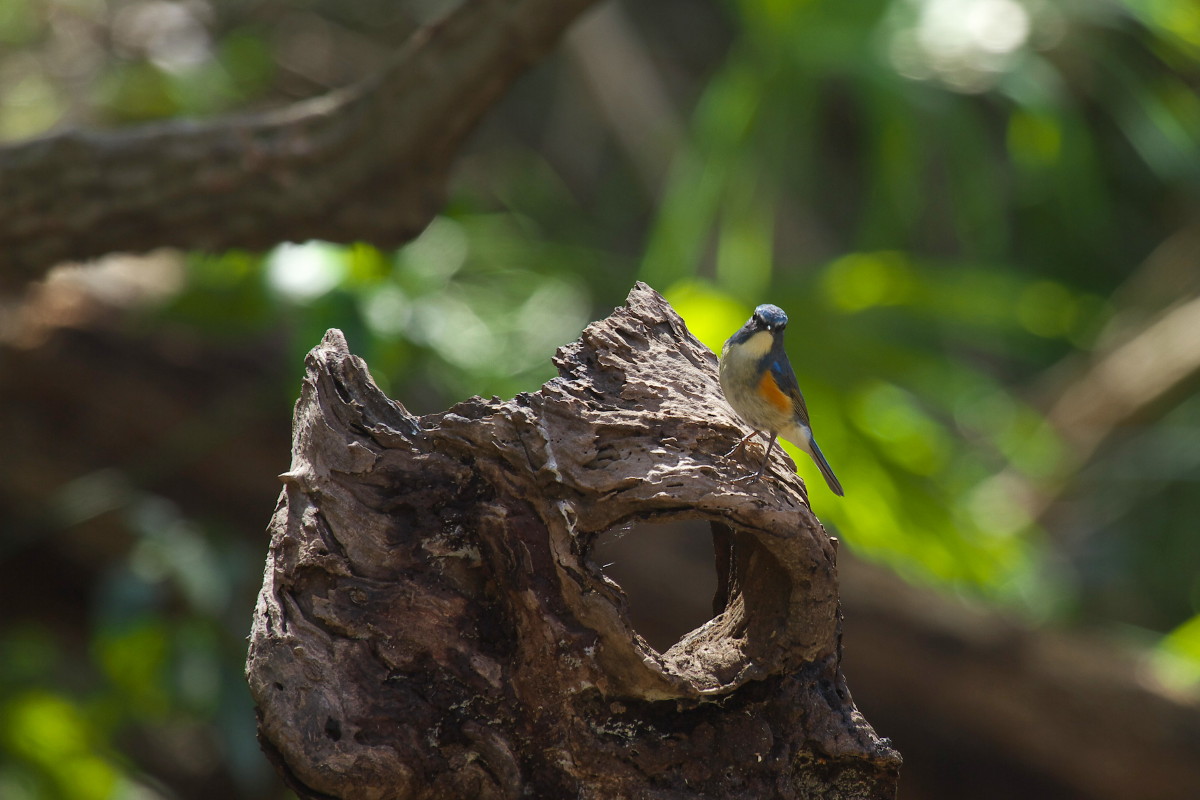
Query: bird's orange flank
x=772 y=394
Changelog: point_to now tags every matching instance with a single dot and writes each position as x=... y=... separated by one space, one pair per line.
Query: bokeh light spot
x=303 y=272
x=862 y=280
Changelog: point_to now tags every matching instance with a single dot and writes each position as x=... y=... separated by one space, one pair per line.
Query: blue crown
x=771 y=317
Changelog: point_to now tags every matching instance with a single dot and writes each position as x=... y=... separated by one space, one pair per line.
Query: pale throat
x=758 y=345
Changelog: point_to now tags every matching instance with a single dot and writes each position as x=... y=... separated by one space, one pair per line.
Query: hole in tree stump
x=666 y=571
x=446 y=574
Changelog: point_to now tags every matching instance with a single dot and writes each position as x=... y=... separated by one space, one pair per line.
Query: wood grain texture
x=431 y=623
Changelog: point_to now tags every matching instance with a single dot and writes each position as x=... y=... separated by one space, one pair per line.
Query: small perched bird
x=759 y=384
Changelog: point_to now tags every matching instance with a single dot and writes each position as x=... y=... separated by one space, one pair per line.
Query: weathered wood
x=431 y=623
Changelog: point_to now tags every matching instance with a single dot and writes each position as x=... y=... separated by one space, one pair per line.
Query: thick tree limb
x=987 y=708
x=368 y=162
x=431 y=623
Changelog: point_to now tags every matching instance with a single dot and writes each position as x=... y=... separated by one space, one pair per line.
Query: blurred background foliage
x=966 y=207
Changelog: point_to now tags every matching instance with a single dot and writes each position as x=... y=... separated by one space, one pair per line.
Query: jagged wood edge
x=627 y=379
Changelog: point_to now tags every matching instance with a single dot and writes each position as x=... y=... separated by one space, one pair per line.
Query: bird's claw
x=762 y=467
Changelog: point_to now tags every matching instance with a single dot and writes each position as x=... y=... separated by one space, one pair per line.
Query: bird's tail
x=819 y=458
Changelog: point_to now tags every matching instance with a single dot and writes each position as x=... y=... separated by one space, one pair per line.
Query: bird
x=761 y=387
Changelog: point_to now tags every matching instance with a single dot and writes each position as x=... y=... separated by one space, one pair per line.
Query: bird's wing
x=786 y=379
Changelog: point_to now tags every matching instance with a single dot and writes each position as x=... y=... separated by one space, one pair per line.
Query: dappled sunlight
x=712 y=316
x=861 y=280
x=303 y=272
x=51 y=731
x=981 y=217
x=904 y=432
x=966 y=44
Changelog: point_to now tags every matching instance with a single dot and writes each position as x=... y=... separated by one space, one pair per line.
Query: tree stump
x=431 y=623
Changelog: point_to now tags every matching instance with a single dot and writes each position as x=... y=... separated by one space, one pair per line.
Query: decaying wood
x=431 y=624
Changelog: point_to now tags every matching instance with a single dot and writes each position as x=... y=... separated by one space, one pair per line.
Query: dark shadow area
x=666 y=572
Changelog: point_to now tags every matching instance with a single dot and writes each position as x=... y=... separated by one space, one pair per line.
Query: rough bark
x=431 y=623
x=364 y=163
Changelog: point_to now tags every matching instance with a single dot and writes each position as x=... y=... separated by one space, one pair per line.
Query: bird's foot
x=737 y=448
x=741 y=445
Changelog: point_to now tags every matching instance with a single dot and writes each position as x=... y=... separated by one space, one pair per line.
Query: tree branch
x=1041 y=713
x=369 y=162
x=431 y=622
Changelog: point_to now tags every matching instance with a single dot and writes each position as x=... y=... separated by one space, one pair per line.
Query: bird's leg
x=763 y=465
x=738 y=447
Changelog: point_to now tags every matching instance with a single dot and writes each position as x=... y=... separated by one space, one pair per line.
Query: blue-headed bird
x=759 y=384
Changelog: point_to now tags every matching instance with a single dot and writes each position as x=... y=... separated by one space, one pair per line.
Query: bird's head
x=768 y=318
x=759 y=333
